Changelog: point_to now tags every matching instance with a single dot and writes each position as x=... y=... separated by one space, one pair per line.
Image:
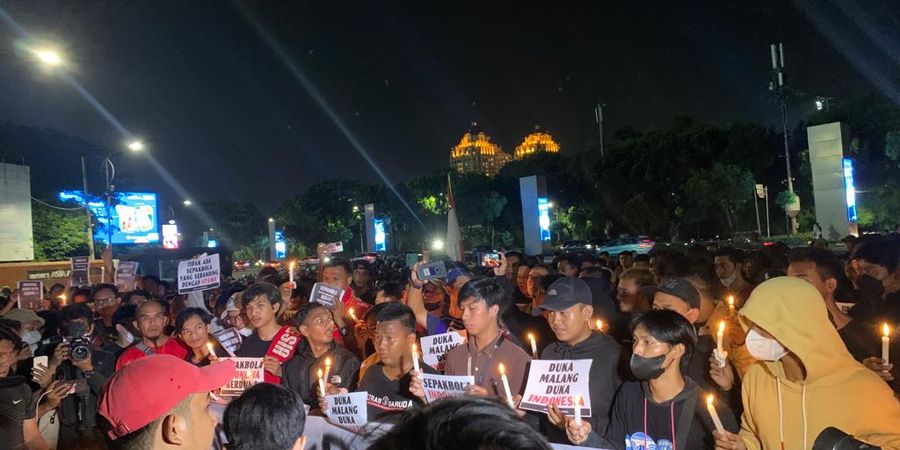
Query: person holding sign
x=265 y=416
x=272 y=342
x=318 y=347
x=192 y=326
x=152 y=319
x=569 y=303
x=481 y=302
x=805 y=380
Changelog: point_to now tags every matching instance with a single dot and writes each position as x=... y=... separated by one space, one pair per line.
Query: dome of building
x=537 y=142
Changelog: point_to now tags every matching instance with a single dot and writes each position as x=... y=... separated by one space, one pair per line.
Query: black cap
x=565 y=293
x=682 y=289
x=362 y=264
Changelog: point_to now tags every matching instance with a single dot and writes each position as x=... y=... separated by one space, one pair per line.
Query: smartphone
x=334 y=247
x=42 y=360
x=431 y=271
x=489 y=259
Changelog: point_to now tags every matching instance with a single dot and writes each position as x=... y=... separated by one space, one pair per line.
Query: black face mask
x=869 y=287
x=433 y=306
x=646 y=369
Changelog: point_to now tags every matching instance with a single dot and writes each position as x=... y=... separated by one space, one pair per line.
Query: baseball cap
x=682 y=289
x=24 y=316
x=230 y=305
x=147 y=388
x=565 y=293
x=453 y=274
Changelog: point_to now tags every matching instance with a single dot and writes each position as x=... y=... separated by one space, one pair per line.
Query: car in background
x=638 y=244
x=577 y=246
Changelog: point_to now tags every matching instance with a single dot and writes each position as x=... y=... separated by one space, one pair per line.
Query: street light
x=437 y=244
x=135 y=145
x=187 y=203
x=110 y=170
x=48 y=57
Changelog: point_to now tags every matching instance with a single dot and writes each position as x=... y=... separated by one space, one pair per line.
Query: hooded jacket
x=837 y=391
x=604 y=378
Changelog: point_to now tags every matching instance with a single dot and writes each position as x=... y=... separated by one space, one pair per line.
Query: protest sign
x=79 y=274
x=31 y=295
x=125 y=274
x=557 y=383
x=229 y=339
x=348 y=410
x=436 y=347
x=437 y=387
x=249 y=373
x=198 y=274
x=326 y=294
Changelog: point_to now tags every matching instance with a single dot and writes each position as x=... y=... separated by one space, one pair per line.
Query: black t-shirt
x=16 y=407
x=389 y=397
x=253 y=347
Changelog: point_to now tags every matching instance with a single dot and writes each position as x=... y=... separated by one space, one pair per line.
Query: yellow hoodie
x=837 y=391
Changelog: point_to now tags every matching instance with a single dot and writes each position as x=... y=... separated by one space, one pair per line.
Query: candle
x=352 y=314
x=599 y=325
x=291 y=274
x=102 y=274
x=212 y=352
x=505 y=381
x=534 y=352
x=321 y=384
x=719 y=335
x=62 y=299
x=712 y=413
x=731 y=305
x=886 y=344
x=415 y=358
x=578 y=402
x=327 y=368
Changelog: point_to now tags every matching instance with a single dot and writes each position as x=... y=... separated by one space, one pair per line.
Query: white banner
x=249 y=373
x=435 y=347
x=558 y=382
x=437 y=387
x=199 y=274
x=348 y=410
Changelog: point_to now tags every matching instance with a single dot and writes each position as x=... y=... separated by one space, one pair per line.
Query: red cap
x=147 y=388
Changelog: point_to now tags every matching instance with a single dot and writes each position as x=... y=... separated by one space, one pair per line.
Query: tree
x=58 y=234
x=727 y=186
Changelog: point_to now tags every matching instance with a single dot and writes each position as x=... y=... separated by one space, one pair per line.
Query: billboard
x=380 y=236
x=850 y=190
x=170 y=235
x=544 y=218
x=280 y=245
x=133 y=216
x=16 y=238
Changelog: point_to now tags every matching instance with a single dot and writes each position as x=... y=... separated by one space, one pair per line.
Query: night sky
x=220 y=109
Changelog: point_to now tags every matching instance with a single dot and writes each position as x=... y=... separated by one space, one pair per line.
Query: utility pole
x=777 y=86
x=598 y=118
x=87 y=212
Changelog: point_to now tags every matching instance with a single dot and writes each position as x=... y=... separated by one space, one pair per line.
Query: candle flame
x=578 y=400
x=886 y=330
x=415 y=349
x=327 y=362
x=599 y=325
x=291 y=266
x=721 y=326
x=209 y=347
x=531 y=337
x=730 y=300
x=321 y=374
x=502 y=369
x=709 y=399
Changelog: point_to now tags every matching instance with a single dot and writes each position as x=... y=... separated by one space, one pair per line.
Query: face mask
x=646 y=369
x=730 y=280
x=763 y=348
x=32 y=338
x=245 y=332
x=869 y=287
x=124 y=334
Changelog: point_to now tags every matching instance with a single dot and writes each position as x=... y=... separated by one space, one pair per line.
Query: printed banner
x=437 y=387
x=229 y=338
x=436 y=347
x=31 y=295
x=348 y=410
x=79 y=274
x=249 y=373
x=558 y=382
x=199 y=274
x=326 y=294
x=125 y=274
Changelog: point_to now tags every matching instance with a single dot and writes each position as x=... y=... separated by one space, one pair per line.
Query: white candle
x=886 y=344
x=291 y=274
x=327 y=368
x=506 y=390
x=731 y=305
x=415 y=358
x=212 y=352
x=719 y=335
x=102 y=274
x=352 y=314
x=534 y=352
x=577 y=410
x=712 y=413
x=321 y=384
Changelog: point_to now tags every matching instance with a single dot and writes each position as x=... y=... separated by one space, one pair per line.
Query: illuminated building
x=475 y=153
x=536 y=142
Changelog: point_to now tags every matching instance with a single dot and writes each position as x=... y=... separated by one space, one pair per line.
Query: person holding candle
x=665 y=408
x=569 y=304
x=318 y=346
x=729 y=262
x=274 y=343
x=806 y=380
x=192 y=326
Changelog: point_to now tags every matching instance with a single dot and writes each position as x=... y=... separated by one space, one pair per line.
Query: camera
x=79 y=346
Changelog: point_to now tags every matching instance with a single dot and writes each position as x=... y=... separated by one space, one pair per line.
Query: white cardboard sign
x=558 y=382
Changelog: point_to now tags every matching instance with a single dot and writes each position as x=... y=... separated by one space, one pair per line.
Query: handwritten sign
x=348 y=410
x=125 y=274
x=79 y=273
x=229 y=338
x=326 y=294
x=249 y=373
x=31 y=295
x=437 y=387
x=436 y=347
x=557 y=383
x=199 y=274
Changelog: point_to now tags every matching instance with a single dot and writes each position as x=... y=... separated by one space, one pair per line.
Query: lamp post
x=109 y=170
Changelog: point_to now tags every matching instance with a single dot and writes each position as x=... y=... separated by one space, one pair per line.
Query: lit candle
x=719 y=335
x=505 y=381
x=352 y=314
x=291 y=274
x=415 y=358
x=712 y=413
x=886 y=344
x=62 y=299
x=578 y=402
x=321 y=383
x=731 y=305
x=534 y=352
x=599 y=325
x=327 y=368
x=212 y=352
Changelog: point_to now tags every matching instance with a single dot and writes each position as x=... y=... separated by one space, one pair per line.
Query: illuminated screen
x=850 y=190
x=280 y=245
x=380 y=237
x=133 y=216
x=544 y=217
x=170 y=235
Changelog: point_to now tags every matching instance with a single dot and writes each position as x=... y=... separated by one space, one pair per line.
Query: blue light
x=134 y=216
x=544 y=217
x=850 y=190
x=380 y=236
x=212 y=243
x=280 y=245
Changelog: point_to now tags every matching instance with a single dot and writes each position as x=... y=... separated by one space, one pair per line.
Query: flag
x=454 y=241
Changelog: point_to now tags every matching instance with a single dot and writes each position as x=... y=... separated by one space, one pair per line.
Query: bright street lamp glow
x=135 y=146
x=271 y=219
x=187 y=203
x=48 y=57
x=437 y=244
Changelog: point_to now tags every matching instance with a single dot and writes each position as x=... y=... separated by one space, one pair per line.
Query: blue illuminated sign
x=850 y=190
x=544 y=217
x=134 y=216
x=380 y=236
x=212 y=243
x=280 y=245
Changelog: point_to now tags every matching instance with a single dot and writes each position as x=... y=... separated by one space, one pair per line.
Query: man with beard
x=151 y=322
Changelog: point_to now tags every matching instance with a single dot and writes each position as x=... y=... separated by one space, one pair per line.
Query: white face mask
x=32 y=338
x=245 y=332
x=124 y=335
x=763 y=348
x=730 y=280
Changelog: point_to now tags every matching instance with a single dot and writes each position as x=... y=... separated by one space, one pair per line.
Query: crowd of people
x=704 y=347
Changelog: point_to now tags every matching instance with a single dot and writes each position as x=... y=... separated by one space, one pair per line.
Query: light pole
x=87 y=212
x=110 y=170
x=362 y=244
